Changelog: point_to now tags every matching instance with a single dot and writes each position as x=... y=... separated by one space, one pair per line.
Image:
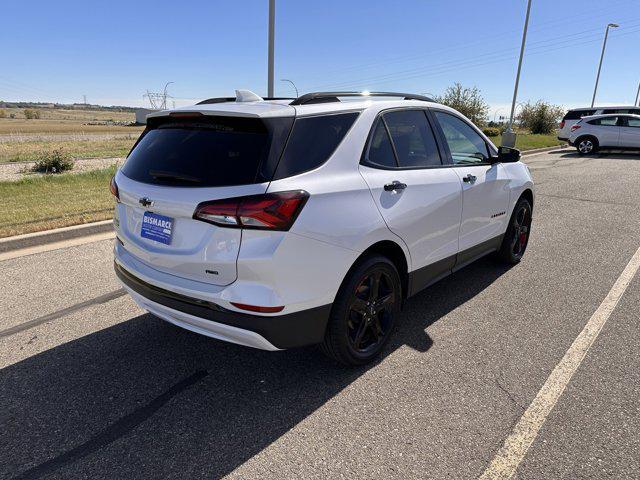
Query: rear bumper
x=563 y=139
x=274 y=332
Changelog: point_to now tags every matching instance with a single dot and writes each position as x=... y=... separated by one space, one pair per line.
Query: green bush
x=54 y=162
x=540 y=117
x=491 y=131
x=3 y=114
x=31 y=113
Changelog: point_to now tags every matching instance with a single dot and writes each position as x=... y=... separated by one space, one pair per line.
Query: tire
x=361 y=320
x=516 y=238
x=586 y=145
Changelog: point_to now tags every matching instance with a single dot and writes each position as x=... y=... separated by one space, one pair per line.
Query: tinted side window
x=578 y=114
x=465 y=144
x=380 y=149
x=412 y=138
x=610 y=121
x=312 y=141
x=633 y=122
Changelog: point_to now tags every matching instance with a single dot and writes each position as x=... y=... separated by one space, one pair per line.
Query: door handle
x=395 y=185
x=469 y=178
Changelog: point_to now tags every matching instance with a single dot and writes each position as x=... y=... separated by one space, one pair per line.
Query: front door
x=419 y=199
x=485 y=187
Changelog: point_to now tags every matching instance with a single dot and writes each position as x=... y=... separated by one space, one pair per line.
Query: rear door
x=485 y=187
x=178 y=164
x=606 y=130
x=629 y=132
x=419 y=198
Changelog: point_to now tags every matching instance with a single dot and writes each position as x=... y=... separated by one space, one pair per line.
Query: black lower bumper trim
x=291 y=330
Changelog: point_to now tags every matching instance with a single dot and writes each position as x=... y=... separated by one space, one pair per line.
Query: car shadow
x=608 y=154
x=145 y=399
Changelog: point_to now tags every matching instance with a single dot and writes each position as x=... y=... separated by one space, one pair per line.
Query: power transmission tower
x=158 y=100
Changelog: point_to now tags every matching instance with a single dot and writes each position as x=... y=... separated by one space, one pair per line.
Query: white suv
x=573 y=116
x=280 y=223
x=606 y=131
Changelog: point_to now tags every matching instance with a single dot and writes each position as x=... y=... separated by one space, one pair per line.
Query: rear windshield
x=578 y=114
x=208 y=151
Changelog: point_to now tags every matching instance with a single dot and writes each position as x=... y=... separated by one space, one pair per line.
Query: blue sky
x=114 y=51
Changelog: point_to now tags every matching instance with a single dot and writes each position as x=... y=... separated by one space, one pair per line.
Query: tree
x=467 y=101
x=540 y=117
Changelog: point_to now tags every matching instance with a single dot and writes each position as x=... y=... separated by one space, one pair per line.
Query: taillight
x=113 y=186
x=561 y=124
x=271 y=211
x=575 y=127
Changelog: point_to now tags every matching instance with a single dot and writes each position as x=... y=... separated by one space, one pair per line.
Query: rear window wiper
x=157 y=174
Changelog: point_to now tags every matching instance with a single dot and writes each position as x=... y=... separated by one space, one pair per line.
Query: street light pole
x=293 y=84
x=509 y=136
x=272 y=22
x=604 y=45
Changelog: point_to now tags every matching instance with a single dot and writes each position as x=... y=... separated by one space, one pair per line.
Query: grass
x=528 y=141
x=41 y=203
x=66 y=121
x=77 y=148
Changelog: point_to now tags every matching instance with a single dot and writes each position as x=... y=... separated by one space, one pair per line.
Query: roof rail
x=327 y=97
x=233 y=99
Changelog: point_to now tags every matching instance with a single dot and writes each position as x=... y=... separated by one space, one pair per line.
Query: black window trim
x=364 y=158
x=443 y=147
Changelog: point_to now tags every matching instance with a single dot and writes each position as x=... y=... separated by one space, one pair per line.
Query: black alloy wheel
x=370 y=316
x=520 y=233
x=516 y=238
x=363 y=314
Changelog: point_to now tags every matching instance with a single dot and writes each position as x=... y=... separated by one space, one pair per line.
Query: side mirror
x=506 y=155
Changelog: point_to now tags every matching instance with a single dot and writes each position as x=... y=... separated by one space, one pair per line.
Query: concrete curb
x=67 y=233
x=57 y=235
x=542 y=150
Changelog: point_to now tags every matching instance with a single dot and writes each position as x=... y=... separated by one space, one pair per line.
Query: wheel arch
x=528 y=195
x=397 y=256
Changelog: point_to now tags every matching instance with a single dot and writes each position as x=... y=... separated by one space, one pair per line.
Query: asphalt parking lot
x=93 y=387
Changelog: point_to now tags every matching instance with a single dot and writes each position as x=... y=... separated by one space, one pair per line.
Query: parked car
x=572 y=117
x=282 y=223
x=605 y=131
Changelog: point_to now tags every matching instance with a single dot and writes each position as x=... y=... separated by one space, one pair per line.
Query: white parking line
x=509 y=457
x=56 y=245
